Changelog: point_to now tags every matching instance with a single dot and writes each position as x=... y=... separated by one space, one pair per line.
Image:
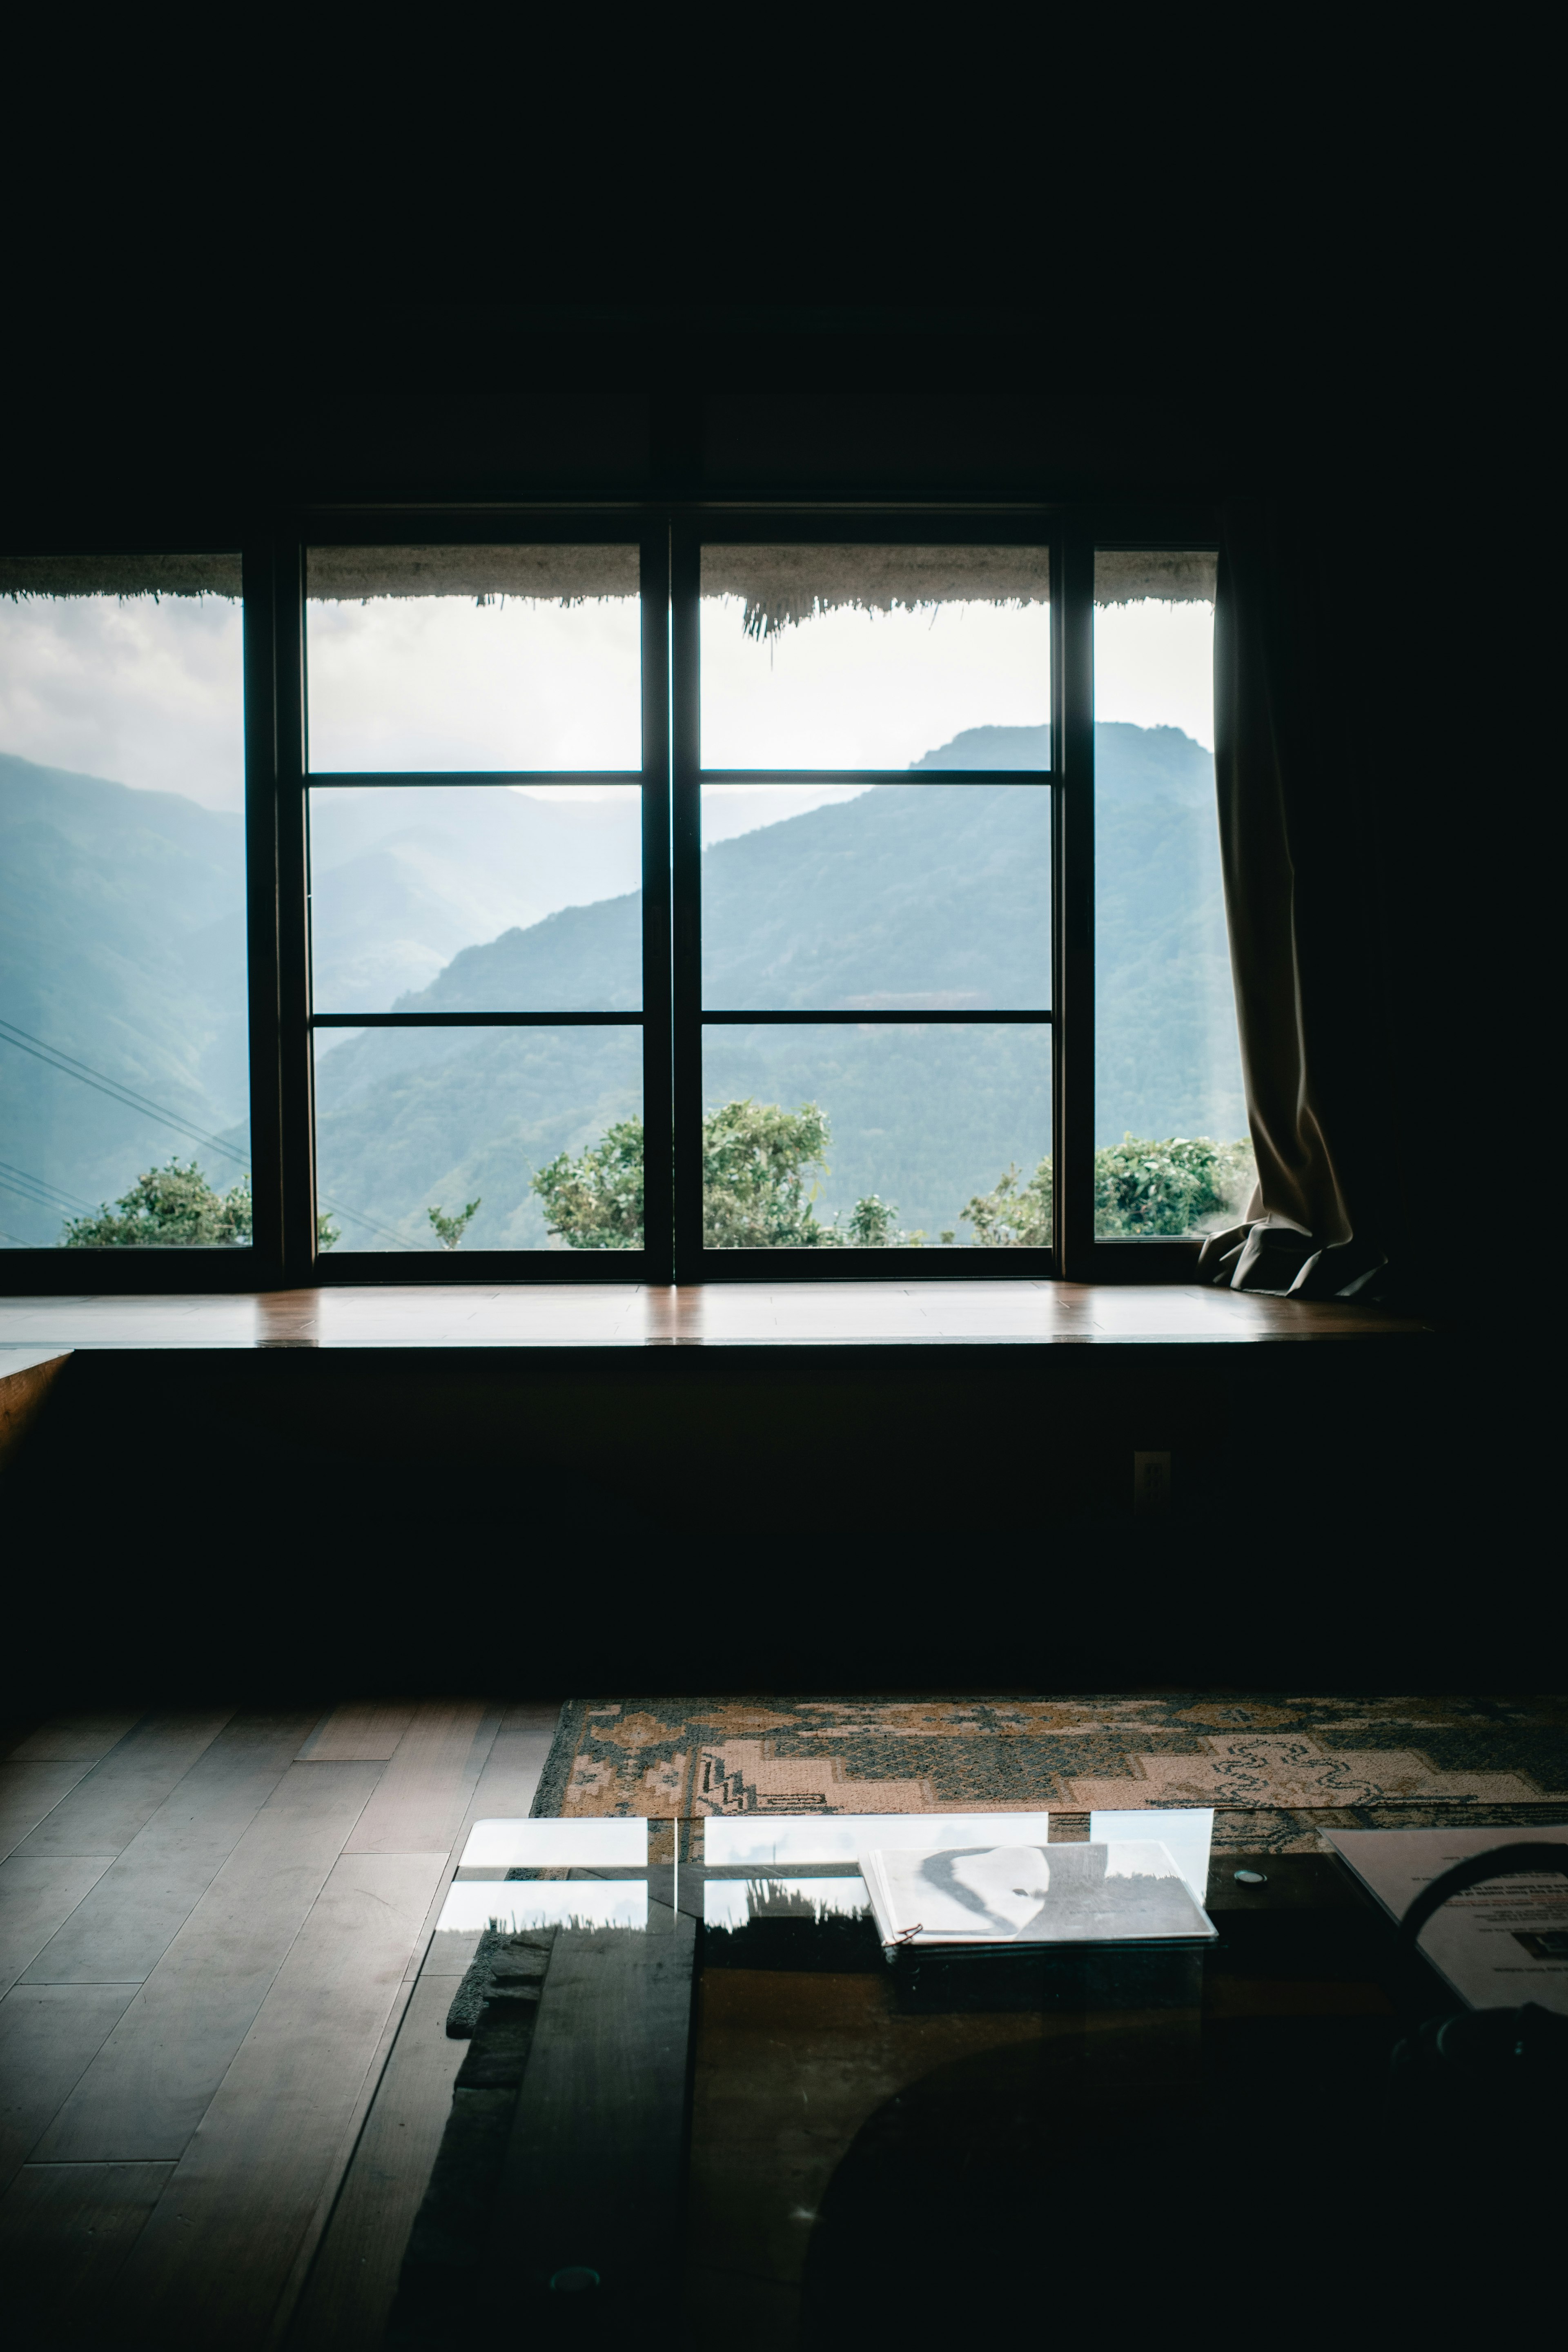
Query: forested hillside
x=122 y=927
x=121 y=941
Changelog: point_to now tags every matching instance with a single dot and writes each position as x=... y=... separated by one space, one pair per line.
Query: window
x=476 y=792
x=871 y=806
x=124 y=1064
x=1171 y=1153
x=626 y=894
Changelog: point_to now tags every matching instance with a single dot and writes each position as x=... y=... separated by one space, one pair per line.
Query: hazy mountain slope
x=403 y=877
x=121 y=931
x=934 y=897
x=123 y=942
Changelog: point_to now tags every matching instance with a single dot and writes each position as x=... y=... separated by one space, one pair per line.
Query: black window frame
x=670 y=535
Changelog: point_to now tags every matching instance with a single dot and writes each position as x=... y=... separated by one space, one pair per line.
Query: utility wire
x=67 y=1064
x=65 y=1199
x=51 y=1057
x=33 y=1200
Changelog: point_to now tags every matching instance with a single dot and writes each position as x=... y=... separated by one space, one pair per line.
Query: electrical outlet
x=1151 y=1484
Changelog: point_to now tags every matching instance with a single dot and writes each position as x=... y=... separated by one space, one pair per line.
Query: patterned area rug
x=1275 y=1769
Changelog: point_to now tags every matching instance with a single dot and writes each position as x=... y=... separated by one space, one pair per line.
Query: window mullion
x=658 y=1204
x=295 y=1088
x=1073 y=747
x=686 y=908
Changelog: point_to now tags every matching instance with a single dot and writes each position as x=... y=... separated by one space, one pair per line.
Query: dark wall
x=777 y=1519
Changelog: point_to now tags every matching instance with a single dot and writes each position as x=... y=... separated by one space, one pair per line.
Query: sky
x=150 y=693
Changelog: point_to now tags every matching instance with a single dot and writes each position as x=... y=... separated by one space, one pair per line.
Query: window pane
x=411 y=1121
x=473 y=657
x=1170 y=1116
x=840 y=657
x=919 y=898
x=475 y=898
x=820 y=1137
x=123 y=906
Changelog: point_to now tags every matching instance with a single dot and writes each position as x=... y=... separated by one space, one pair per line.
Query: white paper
x=1186 y=1833
x=1499 y=1943
x=1130 y=1891
x=840 y=1837
x=596 y=1843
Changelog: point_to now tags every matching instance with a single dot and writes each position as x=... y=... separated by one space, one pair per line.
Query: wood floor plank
x=118 y=1796
x=39 y=1892
x=509 y=1780
x=362 y=1731
x=427 y=1788
x=148 y=2088
x=73 y=1737
x=349 y=2290
x=30 y=1792
x=65 y=2230
x=213 y=2258
x=137 y=1906
x=49 y=2035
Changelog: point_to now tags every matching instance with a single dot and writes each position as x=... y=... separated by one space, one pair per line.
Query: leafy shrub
x=1172 y=1187
x=757 y=1189
x=175 y=1208
x=168 y=1208
x=1139 y=1186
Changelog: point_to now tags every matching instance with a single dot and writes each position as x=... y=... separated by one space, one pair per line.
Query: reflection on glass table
x=553 y=1843
x=845 y=2144
x=513 y=1905
x=841 y=1837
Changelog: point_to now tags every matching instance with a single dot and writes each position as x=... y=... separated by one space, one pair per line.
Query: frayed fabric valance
x=779 y=585
x=120 y=576
x=783 y=585
x=545 y=575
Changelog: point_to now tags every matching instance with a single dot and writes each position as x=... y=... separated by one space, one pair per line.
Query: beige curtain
x=1300 y=903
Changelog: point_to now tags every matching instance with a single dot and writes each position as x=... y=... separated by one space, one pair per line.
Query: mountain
x=929 y=898
x=403 y=877
x=121 y=941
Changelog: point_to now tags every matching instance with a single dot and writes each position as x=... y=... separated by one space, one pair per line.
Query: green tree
x=1141 y=1186
x=451 y=1229
x=1170 y=1186
x=167 y=1208
x=755 y=1159
x=596 y=1201
x=758 y=1192
x=176 y=1208
x=1016 y=1214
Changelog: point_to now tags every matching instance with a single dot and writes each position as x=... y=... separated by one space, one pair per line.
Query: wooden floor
x=223 y=2073
x=632 y=1314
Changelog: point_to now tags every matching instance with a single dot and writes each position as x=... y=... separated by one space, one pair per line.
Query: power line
x=127 y=1096
x=33 y=1200
x=64 y=1199
x=53 y=1057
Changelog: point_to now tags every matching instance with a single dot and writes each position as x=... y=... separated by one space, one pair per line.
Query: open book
x=1130 y=1891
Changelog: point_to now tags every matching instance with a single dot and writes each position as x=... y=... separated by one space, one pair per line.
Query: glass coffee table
x=702 y=2102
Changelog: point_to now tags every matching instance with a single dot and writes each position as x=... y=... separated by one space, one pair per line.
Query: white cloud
x=148 y=693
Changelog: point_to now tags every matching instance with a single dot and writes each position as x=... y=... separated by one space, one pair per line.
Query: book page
x=1499 y=1943
x=1128 y=1892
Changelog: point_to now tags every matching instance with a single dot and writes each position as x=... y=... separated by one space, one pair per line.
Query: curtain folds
x=1300 y=884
